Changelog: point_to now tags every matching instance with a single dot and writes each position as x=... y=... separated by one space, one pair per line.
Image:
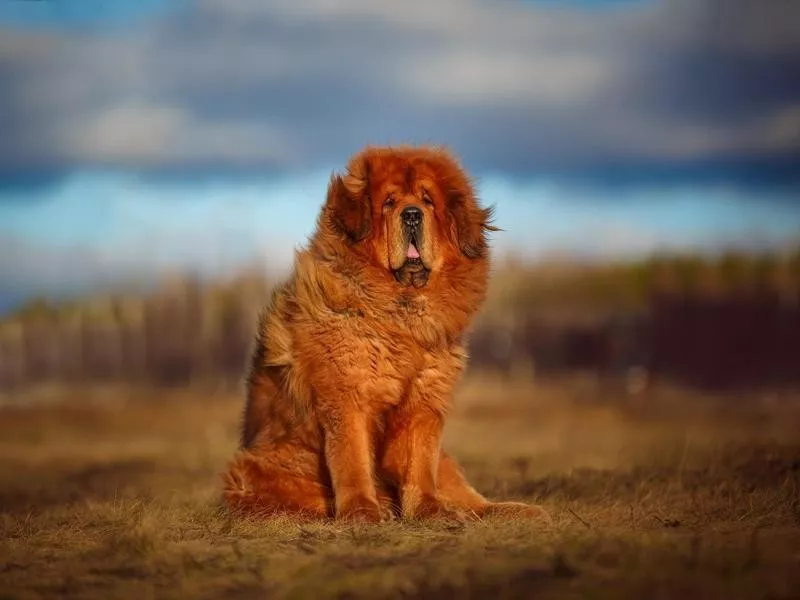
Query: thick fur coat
x=359 y=351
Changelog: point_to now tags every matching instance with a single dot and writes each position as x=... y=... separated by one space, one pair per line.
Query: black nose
x=412 y=216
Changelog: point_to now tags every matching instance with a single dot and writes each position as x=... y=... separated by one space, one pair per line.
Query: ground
x=109 y=492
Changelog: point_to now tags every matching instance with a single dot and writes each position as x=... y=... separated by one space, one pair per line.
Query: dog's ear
x=470 y=223
x=349 y=201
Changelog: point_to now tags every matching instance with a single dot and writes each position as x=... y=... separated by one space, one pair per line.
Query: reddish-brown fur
x=358 y=354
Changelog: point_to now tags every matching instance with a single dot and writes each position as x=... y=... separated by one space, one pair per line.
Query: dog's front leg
x=413 y=438
x=411 y=460
x=350 y=461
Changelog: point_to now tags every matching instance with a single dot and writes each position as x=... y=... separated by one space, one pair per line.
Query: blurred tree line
x=183 y=332
x=559 y=313
x=723 y=323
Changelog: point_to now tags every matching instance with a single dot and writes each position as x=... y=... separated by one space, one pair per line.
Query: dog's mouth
x=413 y=271
x=412 y=254
x=413 y=257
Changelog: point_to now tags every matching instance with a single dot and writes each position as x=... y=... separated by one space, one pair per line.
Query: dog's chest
x=402 y=370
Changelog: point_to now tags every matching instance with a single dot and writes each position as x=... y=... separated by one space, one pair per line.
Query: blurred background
x=161 y=160
x=635 y=370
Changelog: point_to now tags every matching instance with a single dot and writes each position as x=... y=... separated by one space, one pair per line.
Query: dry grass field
x=113 y=493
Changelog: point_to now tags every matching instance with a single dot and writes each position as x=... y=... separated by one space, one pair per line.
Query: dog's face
x=409 y=210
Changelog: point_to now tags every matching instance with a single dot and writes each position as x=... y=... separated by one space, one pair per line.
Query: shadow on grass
x=38 y=490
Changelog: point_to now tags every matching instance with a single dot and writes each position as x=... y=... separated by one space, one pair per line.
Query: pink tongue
x=412 y=251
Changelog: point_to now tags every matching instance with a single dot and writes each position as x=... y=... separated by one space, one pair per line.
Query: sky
x=147 y=136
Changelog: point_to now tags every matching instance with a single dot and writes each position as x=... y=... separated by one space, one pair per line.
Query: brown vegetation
x=114 y=493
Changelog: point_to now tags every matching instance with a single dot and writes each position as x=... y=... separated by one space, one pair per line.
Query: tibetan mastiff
x=358 y=352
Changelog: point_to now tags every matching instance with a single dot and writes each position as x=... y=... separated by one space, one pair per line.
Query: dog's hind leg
x=454 y=491
x=258 y=483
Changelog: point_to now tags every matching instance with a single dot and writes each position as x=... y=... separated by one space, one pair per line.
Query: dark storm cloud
x=685 y=88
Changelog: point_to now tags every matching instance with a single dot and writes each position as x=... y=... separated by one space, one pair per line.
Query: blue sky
x=115 y=12
x=62 y=13
x=159 y=135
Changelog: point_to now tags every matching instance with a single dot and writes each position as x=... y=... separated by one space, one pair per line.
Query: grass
x=113 y=493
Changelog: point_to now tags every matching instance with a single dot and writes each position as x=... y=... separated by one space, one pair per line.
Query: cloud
x=168 y=135
x=518 y=87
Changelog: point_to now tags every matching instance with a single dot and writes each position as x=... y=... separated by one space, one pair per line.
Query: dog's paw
x=429 y=507
x=360 y=509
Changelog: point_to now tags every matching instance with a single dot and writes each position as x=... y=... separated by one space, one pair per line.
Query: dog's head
x=410 y=210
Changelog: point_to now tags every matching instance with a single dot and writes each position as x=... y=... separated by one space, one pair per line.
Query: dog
x=359 y=351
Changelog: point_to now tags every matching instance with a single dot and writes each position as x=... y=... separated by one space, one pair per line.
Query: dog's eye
x=388 y=203
x=427 y=199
